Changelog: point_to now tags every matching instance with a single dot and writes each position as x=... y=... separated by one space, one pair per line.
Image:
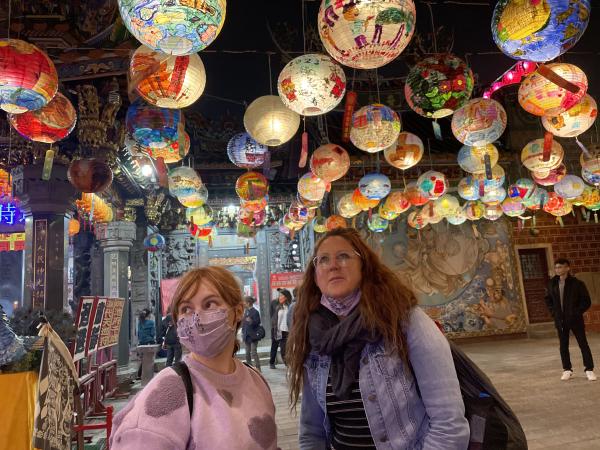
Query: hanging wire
x=9 y=18
x=270 y=76
x=303 y=27
x=377 y=85
x=435 y=49
x=429 y=151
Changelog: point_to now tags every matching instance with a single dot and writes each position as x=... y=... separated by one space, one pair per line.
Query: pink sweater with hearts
x=234 y=411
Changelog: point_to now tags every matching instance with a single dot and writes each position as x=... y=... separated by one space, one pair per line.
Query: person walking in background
x=279 y=329
x=146 y=331
x=250 y=327
x=171 y=341
x=567 y=299
x=290 y=314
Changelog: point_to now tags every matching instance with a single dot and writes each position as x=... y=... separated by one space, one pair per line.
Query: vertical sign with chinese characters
x=111 y=323
x=84 y=317
x=96 y=325
x=114 y=274
x=40 y=241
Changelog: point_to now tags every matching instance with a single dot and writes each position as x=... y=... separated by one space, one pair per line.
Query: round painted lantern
x=255 y=205
x=458 y=217
x=270 y=122
x=311 y=84
x=538 y=30
x=417 y=220
x=574 y=121
x=414 y=195
x=199 y=216
x=319 y=224
x=542 y=97
x=363 y=202
x=152 y=126
x=493 y=212
x=346 y=206
x=481 y=121
x=498 y=177
x=251 y=218
x=310 y=204
x=172 y=152
x=494 y=195
x=386 y=213
x=406 y=152
x=283 y=229
x=468 y=188
x=48 y=124
x=251 y=186
x=446 y=205
x=202 y=233
x=591 y=161
x=433 y=184
x=154 y=242
x=532 y=156
x=590 y=177
x=375 y=186
x=245 y=231
x=397 y=202
x=474 y=159
x=167 y=81
x=522 y=189
x=299 y=213
x=513 y=208
x=474 y=210
x=366 y=35
x=554 y=203
x=334 y=222
x=90 y=175
x=377 y=224
x=432 y=214
x=330 y=162
x=183 y=182
x=28 y=78
x=245 y=152
x=291 y=224
x=195 y=199
x=374 y=128
x=74 y=227
x=571 y=186
x=174 y=27
x=550 y=177
x=439 y=85
x=589 y=197
x=537 y=200
x=311 y=187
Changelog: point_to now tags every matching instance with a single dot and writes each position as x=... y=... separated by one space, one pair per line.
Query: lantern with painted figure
x=512 y=207
x=252 y=186
x=522 y=189
x=330 y=162
x=363 y=202
x=374 y=128
x=575 y=120
x=481 y=121
x=537 y=199
x=184 y=182
x=311 y=187
x=245 y=152
x=432 y=184
x=397 y=202
x=493 y=195
x=406 y=152
x=532 y=156
x=270 y=122
x=571 y=186
x=498 y=177
x=475 y=159
x=474 y=210
x=375 y=186
x=417 y=220
x=171 y=153
x=152 y=126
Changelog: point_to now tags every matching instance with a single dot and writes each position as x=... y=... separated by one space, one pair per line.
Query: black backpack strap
x=182 y=370
x=258 y=373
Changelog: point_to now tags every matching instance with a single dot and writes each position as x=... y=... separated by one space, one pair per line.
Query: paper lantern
x=178 y=27
x=493 y=212
x=481 y=121
x=330 y=162
x=254 y=205
x=537 y=199
x=154 y=242
x=251 y=186
x=310 y=204
x=74 y=227
x=571 y=186
x=363 y=202
x=151 y=126
x=589 y=197
x=446 y=205
x=591 y=161
x=195 y=199
x=474 y=210
x=246 y=231
x=433 y=184
x=437 y=86
x=5 y=184
x=270 y=122
x=513 y=208
x=532 y=156
x=346 y=206
x=417 y=220
x=375 y=186
x=203 y=233
x=90 y=175
x=167 y=81
x=494 y=195
x=458 y=217
x=474 y=159
x=183 y=182
x=299 y=213
x=406 y=152
x=414 y=194
x=590 y=177
x=558 y=207
x=468 y=188
x=386 y=213
x=311 y=187
x=397 y=202
x=538 y=30
x=374 y=128
x=28 y=78
x=498 y=177
x=575 y=120
x=199 y=216
x=366 y=35
x=377 y=224
x=522 y=189
x=542 y=97
x=334 y=222
x=311 y=84
x=252 y=218
x=170 y=153
x=319 y=224
x=549 y=177
x=245 y=152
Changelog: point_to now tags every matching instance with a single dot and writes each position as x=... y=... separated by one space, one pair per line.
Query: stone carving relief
x=178 y=256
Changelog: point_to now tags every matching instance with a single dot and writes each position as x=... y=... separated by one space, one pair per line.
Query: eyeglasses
x=342 y=259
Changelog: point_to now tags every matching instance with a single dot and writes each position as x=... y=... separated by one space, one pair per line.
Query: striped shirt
x=348 y=419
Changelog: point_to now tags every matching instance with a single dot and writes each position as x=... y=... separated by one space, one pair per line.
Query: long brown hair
x=384 y=307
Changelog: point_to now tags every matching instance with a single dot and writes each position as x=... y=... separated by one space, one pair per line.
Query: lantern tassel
x=488 y=166
x=437 y=130
x=548 y=140
x=304 y=151
x=582 y=147
x=560 y=221
x=348 y=112
x=48 y=161
x=595 y=217
x=481 y=188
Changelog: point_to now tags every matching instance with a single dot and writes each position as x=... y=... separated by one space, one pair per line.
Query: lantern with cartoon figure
x=432 y=184
x=481 y=121
x=245 y=152
x=374 y=128
x=406 y=152
x=330 y=162
x=575 y=120
x=311 y=187
x=375 y=186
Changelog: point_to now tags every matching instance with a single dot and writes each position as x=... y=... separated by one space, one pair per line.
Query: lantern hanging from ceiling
x=446 y=205
x=311 y=187
x=251 y=218
x=245 y=152
x=319 y=224
x=245 y=231
x=171 y=153
x=49 y=124
x=346 y=206
x=406 y=152
x=474 y=210
x=498 y=177
x=432 y=214
x=550 y=177
x=310 y=204
x=492 y=212
x=334 y=222
x=433 y=184
x=575 y=120
x=481 y=121
x=203 y=233
x=554 y=203
x=199 y=216
x=591 y=161
x=397 y=202
x=590 y=177
x=512 y=207
x=468 y=188
x=522 y=189
x=532 y=156
x=475 y=159
x=375 y=186
x=377 y=224
x=254 y=205
x=195 y=199
x=5 y=184
x=311 y=84
x=167 y=81
x=90 y=175
x=251 y=186
x=538 y=30
x=74 y=227
x=184 y=181
x=290 y=223
x=374 y=127
x=154 y=242
x=542 y=97
x=414 y=194
x=366 y=35
x=28 y=78
x=270 y=122
x=571 y=186
x=562 y=210
x=152 y=126
x=363 y=202
x=299 y=213
x=458 y=217
x=386 y=213
x=174 y=27
x=437 y=86
x=589 y=197
x=536 y=200
x=494 y=195
x=330 y=162
x=417 y=220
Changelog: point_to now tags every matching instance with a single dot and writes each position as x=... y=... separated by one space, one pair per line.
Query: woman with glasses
x=374 y=370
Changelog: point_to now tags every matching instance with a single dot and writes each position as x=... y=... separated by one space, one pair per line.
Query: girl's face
x=207 y=298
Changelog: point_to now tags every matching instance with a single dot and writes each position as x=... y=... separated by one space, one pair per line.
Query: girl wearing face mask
x=358 y=349
x=232 y=403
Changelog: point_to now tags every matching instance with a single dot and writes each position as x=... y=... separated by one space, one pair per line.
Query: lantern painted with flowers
x=346 y=206
x=571 y=186
x=513 y=208
x=311 y=187
x=536 y=159
x=493 y=212
x=374 y=128
x=406 y=152
x=468 y=188
x=433 y=184
x=245 y=152
x=397 y=202
x=565 y=208
x=183 y=182
x=152 y=126
x=251 y=186
x=575 y=120
x=555 y=203
x=375 y=186
x=334 y=222
x=481 y=121
x=330 y=162
x=475 y=159
x=550 y=177
x=377 y=224
x=270 y=122
x=28 y=78
x=414 y=195
x=154 y=242
x=417 y=220
x=363 y=202
x=522 y=189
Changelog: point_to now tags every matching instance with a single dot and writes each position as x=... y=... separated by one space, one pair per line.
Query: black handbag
x=258 y=334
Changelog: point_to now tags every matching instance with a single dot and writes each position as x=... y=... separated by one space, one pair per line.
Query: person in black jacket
x=279 y=329
x=250 y=325
x=171 y=343
x=567 y=299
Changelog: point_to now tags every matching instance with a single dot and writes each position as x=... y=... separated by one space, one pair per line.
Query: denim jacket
x=399 y=418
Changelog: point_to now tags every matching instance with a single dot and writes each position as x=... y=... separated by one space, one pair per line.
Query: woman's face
x=337 y=267
x=282 y=298
x=207 y=299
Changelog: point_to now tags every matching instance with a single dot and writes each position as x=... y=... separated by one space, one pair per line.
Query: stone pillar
x=263 y=279
x=178 y=256
x=139 y=278
x=116 y=238
x=82 y=265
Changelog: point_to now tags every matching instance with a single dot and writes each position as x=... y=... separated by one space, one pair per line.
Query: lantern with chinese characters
x=330 y=162
x=245 y=152
x=540 y=96
x=319 y=224
x=377 y=224
x=254 y=205
x=474 y=210
x=551 y=177
x=183 y=182
x=366 y=35
x=493 y=195
x=571 y=186
x=167 y=81
x=492 y=212
x=512 y=207
x=74 y=227
x=445 y=205
x=375 y=186
x=154 y=242
x=536 y=159
x=481 y=121
x=439 y=85
x=270 y=122
x=522 y=189
x=195 y=199
x=536 y=200
x=433 y=184
x=90 y=175
x=251 y=186
x=174 y=27
x=172 y=153
x=575 y=120
x=151 y=126
x=458 y=217
x=414 y=195
x=363 y=202
x=406 y=152
x=28 y=78
x=374 y=128
x=468 y=188
x=346 y=206
x=334 y=222
x=311 y=84
x=199 y=216
x=311 y=187
x=475 y=159
x=397 y=202
x=538 y=30
x=417 y=220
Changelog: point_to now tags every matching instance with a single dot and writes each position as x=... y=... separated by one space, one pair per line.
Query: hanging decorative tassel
x=304 y=151
x=595 y=216
x=292 y=235
x=328 y=187
x=370 y=213
x=552 y=76
x=533 y=221
x=475 y=230
x=582 y=147
x=161 y=170
x=560 y=221
x=48 y=161
x=267 y=164
x=181 y=137
x=348 y=112
x=481 y=188
x=210 y=241
x=437 y=130
x=520 y=225
x=548 y=140
x=488 y=166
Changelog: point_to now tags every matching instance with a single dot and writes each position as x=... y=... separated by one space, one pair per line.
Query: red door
x=534 y=269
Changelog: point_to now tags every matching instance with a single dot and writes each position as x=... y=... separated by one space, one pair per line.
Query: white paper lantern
x=374 y=128
x=269 y=122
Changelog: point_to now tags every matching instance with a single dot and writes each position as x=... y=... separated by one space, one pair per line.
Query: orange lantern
x=363 y=202
x=74 y=227
x=334 y=222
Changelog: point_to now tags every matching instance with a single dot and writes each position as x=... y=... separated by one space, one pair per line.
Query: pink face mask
x=206 y=333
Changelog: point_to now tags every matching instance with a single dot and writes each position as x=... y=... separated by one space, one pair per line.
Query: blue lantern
x=152 y=126
x=375 y=186
x=377 y=224
x=154 y=242
x=245 y=152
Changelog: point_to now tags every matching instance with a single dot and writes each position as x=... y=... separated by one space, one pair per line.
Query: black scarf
x=343 y=342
